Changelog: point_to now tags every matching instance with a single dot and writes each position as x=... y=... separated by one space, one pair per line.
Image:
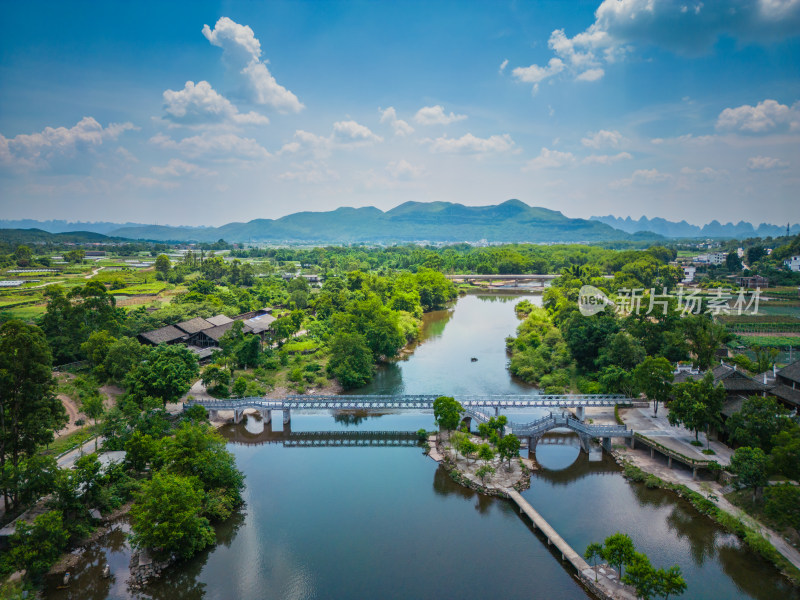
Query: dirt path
x=93 y=273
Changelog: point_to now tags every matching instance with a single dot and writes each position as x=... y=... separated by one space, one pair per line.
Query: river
x=387 y=522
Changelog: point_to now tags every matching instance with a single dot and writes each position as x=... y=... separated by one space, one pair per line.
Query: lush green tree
x=162 y=265
x=37 y=477
x=166 y=374
x=484 y=471
x=653 y=376
x=239 y=387
x=669 y=582
x=214 y=268
x=282 y=329
x=782 y=503
x=93 y=407
x=71 y=317
x=750 y=466
x=785 y=455
x=197 y=450
x=641 y=575
x=594 y=551
x=755 y=253
x=622 y=351
x=697 y=404
x=586 y=336
x=95 y=349
x=467 y=447
x=485 y=452
x=732 y=262
x=758 y=421
x=29 y=410
x=214 y=376
x=36 y=546
x=616 y=380
x=141 y=450
x=508 y=447
x=351 y=361
x=23 y=256
x=166 y=516
x=122 y=356
x=447 y=412
x=618 y=550
x=704 y=338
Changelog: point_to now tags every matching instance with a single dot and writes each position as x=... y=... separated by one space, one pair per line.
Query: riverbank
x=707 y=497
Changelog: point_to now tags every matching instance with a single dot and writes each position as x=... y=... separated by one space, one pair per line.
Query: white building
x=712 y=258
x=688 y=273
x=793 y=263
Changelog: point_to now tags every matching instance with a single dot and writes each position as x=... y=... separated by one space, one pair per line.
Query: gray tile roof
x=791 y=371
x=219 y=320
x=731 y=379
x=216 y=333
x=787 y=394
x=260 y=324
x=194 y=325
x=167 y=334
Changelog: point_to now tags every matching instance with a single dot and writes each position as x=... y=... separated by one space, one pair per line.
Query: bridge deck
x=415 y=402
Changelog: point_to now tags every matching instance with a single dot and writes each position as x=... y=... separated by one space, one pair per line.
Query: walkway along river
x=386 y=522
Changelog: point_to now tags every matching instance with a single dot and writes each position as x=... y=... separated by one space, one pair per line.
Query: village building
x=738 y=386
x=751 y=283
x=209 y=338
x=786 y=388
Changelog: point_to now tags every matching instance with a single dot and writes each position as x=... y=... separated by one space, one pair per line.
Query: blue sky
x=211 y=112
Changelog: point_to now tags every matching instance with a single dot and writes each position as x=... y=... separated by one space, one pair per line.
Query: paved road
x=679 y=439
x=67 y=461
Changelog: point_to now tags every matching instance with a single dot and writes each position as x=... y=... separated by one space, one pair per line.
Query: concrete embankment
x=606 y=586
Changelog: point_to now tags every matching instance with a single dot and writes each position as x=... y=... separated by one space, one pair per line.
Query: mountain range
x=511 y=221
x=682 y=229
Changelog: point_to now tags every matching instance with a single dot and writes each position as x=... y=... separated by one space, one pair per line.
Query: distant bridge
x=541 y=279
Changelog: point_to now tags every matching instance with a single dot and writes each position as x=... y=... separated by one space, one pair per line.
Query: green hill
x=511 y=221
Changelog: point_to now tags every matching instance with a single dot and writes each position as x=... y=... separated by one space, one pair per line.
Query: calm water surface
x=387 y=522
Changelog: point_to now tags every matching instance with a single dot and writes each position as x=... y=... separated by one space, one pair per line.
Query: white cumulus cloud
x=644 y=177
x=243 y=50
x=681 y=26
x=602 y=139
x=606 y=159
x=404 y=170
x=550 y=159
x=435 y=115
x=200 y=104
x=179 y=168
x=768 y=116
x=227 y=146
x=470 y=144
x=535 y=74
x=40 y=150
x=345 y=134
x=399 y=126
x=765 y=163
